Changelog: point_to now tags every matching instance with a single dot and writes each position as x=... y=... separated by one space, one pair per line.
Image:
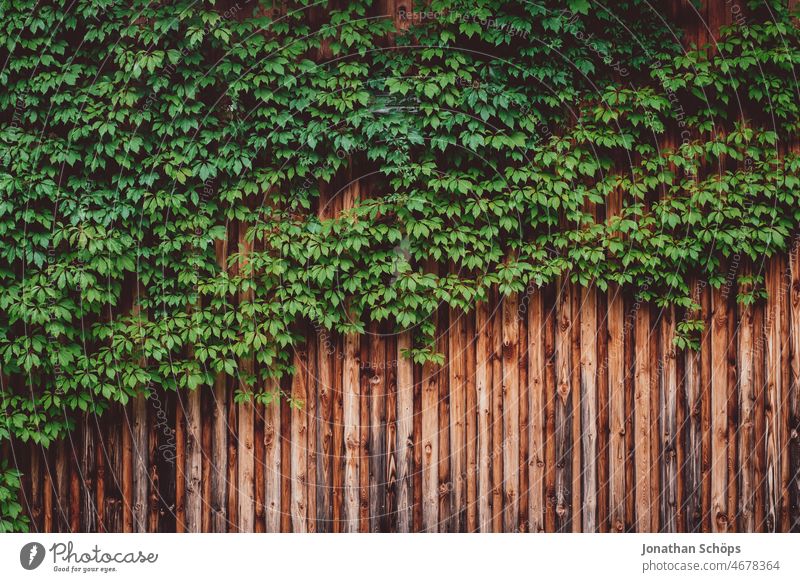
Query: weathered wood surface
x=369 y=449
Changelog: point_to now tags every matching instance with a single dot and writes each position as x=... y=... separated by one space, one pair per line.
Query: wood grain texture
x=773 y=396
x=351 y=390
x=537 y=397
x=483 y=386
x=511 y=390
x=299 y=442
x=245 y=434
x=794 y=391
x=496 y=453
x=642 y=420
x=719 y=407
x=563 y=409
x=457 y=347
x=405 y=434
x=588 y=409
x=272 y=467
x=325 y=397
x=617 y=419
x=430 y=447
x=668 y=372
x=746 y=337
x=404 y=447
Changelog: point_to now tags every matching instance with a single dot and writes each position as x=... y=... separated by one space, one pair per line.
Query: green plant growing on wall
x=136 y=137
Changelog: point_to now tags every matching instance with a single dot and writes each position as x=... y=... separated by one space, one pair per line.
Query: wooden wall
x=563 y=409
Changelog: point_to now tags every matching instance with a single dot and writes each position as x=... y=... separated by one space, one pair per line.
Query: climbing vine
x=487 y=139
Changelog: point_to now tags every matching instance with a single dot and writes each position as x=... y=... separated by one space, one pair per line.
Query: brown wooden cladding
x=561 y=409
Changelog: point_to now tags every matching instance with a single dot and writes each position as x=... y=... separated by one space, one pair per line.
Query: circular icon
x=31 y=555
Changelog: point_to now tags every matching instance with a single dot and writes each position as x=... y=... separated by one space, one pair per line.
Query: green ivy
x=136 y=136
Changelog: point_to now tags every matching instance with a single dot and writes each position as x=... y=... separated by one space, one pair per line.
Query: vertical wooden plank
x=732 y=413
x=483 y=380
x=219 y=433
x=445 y=482
x=655 y=413
x=794 y=390
x=127 y=470
x=680 y=444
x=418 y=449
x=156 y=415
x=642 y=419
x=310 y=410
x=246 y=418
x=206 y=462
x=62 y=487
x=180 y=464
x=140 y=462
x=773 y=392
x=48 y=488
x=551 y=321
x=603 y=416
x=259 y=473
x=746 y=421
x=705 y=410
x=759 y=414
x=232 y=470
x=75 y=485
x=588 y=410
x=785 y=397
x=351 y=395
x=536 y=415
x=365 y=446
x=286 y=459
x=668 y=368
x=511 y=438
x=430 y=447
x=576 y=453
x=193 y=456
x=35 y=510
x=457 y=383
x=205 y=459
x=630 y=415
x=111 y=450
x=563 y=409
x=299 y=444
x=101 y=432
x=498 y=444
x=523 y=524
x=272 y=465
x=471 y=426
x=405 y=433
x=390 y=516
x=377 y=432
x=325 y=453
x=693 y=466
x=339 y=454
x=617 y=419
x=88 y=507
x=219 y=456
